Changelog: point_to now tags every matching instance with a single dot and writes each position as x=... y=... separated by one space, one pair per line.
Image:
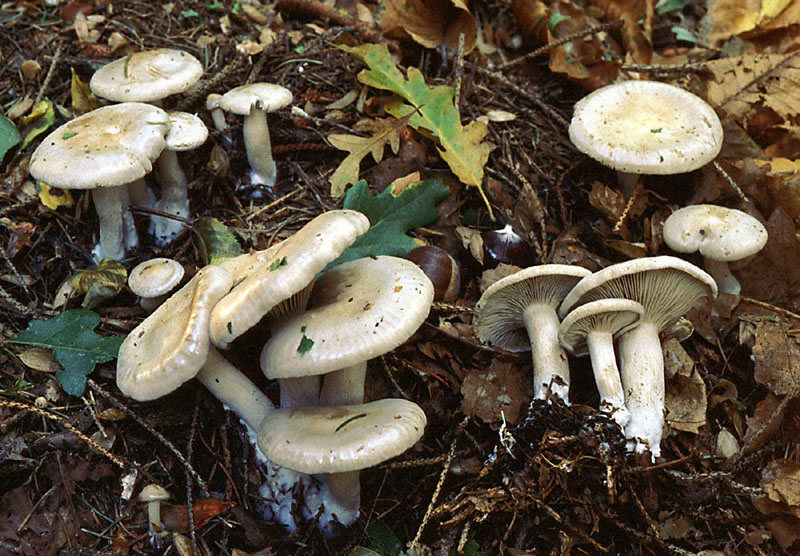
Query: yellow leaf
x=735 y=17
x=41 y=117
x=100 y=282
x=52 y=197
x=83 y=99
x=784 y=167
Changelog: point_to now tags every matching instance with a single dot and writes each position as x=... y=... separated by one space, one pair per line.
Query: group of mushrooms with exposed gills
x=325 y=326
x=110 y=150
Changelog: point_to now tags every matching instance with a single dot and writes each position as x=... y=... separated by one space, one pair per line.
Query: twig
x=732 y=183
x=452 y=308
x=50 y=72
x=628 y=206
x=189 y=497
x=764 y=305
x=506 y=82
x=459 y=71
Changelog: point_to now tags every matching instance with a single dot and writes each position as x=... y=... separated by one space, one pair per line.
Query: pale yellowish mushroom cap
x=155 y=277
x=646 y=127
x=261 y=96
x=186 y=131
x=171 y=345
x=337 y=439
x=147 y=76
x=614 y=316
x=291 y=269
x=357 y=310
x=153 y=493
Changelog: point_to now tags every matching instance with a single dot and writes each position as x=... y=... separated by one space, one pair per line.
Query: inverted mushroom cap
x=186 y=131
x=292 y=267
x=171 y=345
x=358 y=310
x=646 y=127
x=718 y=233
x=147 y=76
x=153 y=493
x=666 y=287
x=498 y=313
x=614 y=316
x=155 y=277
x=110 y=146
x=337 y=439
x=262 y=96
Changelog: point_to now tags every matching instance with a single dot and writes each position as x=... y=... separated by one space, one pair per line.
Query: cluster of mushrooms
x=325 y=325
x=110 y=150
x=634 y=127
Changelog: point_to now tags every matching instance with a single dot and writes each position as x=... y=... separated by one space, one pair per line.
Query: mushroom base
x=606 y=375
x=550 y=366
x=259 y=149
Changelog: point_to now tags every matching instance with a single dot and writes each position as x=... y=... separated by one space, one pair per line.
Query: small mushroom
x=154 y=494
x=217 y=113
x=253 y=101
x=153 y=280
x=720 y=234
x=645 y=127
x=518 y=313
x=666 y=287
x=593 y=328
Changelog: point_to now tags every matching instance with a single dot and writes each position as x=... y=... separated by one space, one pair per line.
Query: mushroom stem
x=259 y=148
x=627 y=182
x=726 y=281
x=606 y=375
x=112 y=211
x=154 y=517
x=234 y=389
x=174 y=198
x=345 y=488
x=642 y=370
x=550 y=366
x=218 y=117
x=345 y=386
x=140 y=194
x=299 y=392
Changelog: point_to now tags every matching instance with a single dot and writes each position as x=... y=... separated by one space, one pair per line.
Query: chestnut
x=506 y=246
x=441 y=268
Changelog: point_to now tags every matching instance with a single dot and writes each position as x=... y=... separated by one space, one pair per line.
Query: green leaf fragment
x=217 y=243
x=305 y=345
x=277 y=263
x=9 y=136
x=350 y=420
x=74 y=343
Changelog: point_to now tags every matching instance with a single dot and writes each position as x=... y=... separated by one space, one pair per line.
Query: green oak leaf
x=217 y=243
x=9 y=136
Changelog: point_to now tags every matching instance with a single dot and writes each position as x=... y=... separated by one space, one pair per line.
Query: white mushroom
x=720 y=234
x=154 y=494
x=153 y=280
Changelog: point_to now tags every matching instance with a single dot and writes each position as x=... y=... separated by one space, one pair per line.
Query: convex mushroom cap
x=518 y=313
x=155 y=278
x=646 y=127
x=720 y=234
x=147 y=76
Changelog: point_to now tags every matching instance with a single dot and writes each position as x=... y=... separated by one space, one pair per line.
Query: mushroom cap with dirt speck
x=666 y=287
x=262 y=96
x=108 y=147
x=186 y=131
x=147 y=76
x=646 y=127
x=153 y=493
x=170 y=346
x=614 y=316
x=337 y=439
x=357 y=310
x=261 y=286
x=155 y=277
x=498 y=314
x=718 y=233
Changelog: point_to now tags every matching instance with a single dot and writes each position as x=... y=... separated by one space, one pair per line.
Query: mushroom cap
x=186 y=131
x=110 y=146
x=212 y=101
x=666 y=287
x=153 y=493
x=171 y=345
x=147 y=76
x=646 y=127
x=155 y=277
x=615 y=316
x=498 y=313
x=264 y=96
x=718 y=233
x=291 y=267
x=358 y=310
x=336 y=439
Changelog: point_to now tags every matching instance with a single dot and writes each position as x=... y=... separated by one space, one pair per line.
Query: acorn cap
x=291 y=268
x=718 y=233
x=155 y=277
x=337 y=439
x=171 y=345
x=262 y=96
x=358 y=310
x=147 y=76
x=646 y=127
x=666 y=287
x=107 y=147
x=186 y=131
x=498 y=313
x=615 y=316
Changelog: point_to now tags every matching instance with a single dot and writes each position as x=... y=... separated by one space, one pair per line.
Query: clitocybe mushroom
x=104 y=150
x=593 y=328
x=154 y=494
x=253 y=101
x=645 y=127
x=720 y=234
x=340 y=441
x=518 y=313
x=666 y=287
x=153 y=280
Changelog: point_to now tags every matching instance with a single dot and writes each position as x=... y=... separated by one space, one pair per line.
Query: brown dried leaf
x=686 y=392
x=764 y=424
x=728 y=18
x=40 y=359
x=431 y=23
x=500 y=388
x=531 y=17
x=777 y=356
